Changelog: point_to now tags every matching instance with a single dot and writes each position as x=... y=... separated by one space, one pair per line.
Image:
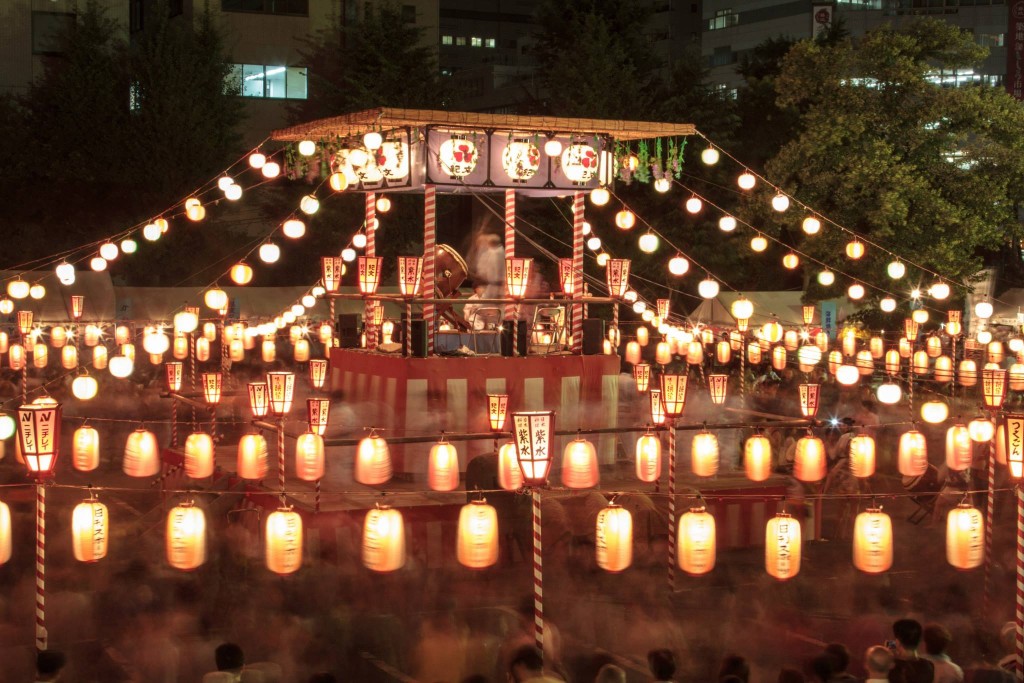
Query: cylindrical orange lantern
x=85 y=449
x=782 y=547
x=283 y=541
x=704 y=454
x=968 y=373
x=892 y=361
x=141 y=454
x=373 y=461
x=510 y=477
x=835 y=361
x=5 y=533
x=69 y=357
x=696 y=542
x=1017 y=377
x=186 y=537
x=933 y=346
x=579 y=465
x=648 y=458
x=913 y=454
x=613 y=539
x=643 y=335
x=199 y=455
x=757 y=457
x=943 y=369
x=965 y=537
x=252 y=456
x=754 y=353
x=632 y=352
x=723 y=352
x=809 y=463
x=202 y=349
x=477 y=544
x=959 y=448
x=663 y=353
x=862 y=456
x=864 y=363
x=384 y=540
x=996 y=352
x=919 y=363
x=90 y=531
x=443 y=467
x=872 y=541
x=309 y=457
x=877 y=347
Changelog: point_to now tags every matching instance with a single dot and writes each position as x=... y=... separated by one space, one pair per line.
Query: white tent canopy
x=787 y=307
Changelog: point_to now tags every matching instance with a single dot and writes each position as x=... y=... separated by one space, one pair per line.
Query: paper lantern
x=517 y=276
x=995 y=351
x=648 y=458
x=696 y=542
x=5 y=533
x=982 y=430
x=771 y=330
x=642 y=377
x=99 y=357
x=77 y=306
x=876 y=346
x=212 y=383
x=905 y=348
x=807 y=357
x=809 y=463
x=617 y=277
x=993 y=387
x=252 y=456
x=58 y=336
x=809 y=399
x=39 y=436
x=216 y=298
x=943 y=369
x=862 y=456
x=643 y=335
x=657 y=408
x=965 y=537
x=268 y=351
x=24 y=319
x=180 y=347
x=186 y=537
x=934 y=412
x=283 y=541
x=373 y=461
x=84 y=387
x=968 y=373
x=1016 y=377
x=69 y=357
x=477 y=536
x=443 y=467
x=241 y=273
x=40 y=356
x=757 y=457
x=959 y=448
x=723 y=352
x=89 y=531
x=892 y=362
x=281 y=389
x=202 y=349
x=141 y=454
x=410 y=274
x=864 y=363
x=704 y=454
x=782 y=547
x=872 y=541
x=85 y=449
x=510 y=477
x=1013 y=433
x=532 y=433
x=673 y=394
x=301 y=351
x=259 y=399
x=933 y=346
x=497 y=411
x=579 y=465
x=779 y=358
x=369 y=274
x=913 y=454
x=383 y=540
x=199 y=455
x=919 y=363
x=718 y=386
x=754 y=353
x=613 y=538
x=318 y=412
x=855 y=249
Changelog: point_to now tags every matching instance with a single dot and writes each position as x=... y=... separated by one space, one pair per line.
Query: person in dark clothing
x=909 y=667
x=839 y=654
x=662 y=664
x=734 y=665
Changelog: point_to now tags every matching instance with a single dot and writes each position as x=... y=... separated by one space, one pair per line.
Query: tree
x=376 y=62
x=935 y=173
x=593 y=59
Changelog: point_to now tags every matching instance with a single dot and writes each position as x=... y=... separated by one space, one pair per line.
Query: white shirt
x=946 y=671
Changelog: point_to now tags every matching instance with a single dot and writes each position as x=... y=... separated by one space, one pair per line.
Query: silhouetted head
x=49 y=664
x=229 y=657
x=662 y=664
x=936 y=639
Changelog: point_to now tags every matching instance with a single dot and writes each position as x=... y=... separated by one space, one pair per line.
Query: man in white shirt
x=878 y=661
x=936 y=639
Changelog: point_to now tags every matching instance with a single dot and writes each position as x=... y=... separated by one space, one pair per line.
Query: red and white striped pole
x=280 y=458
x=577 y=269
x=371 y=251
x=989 y=505
x=510 y=241
x=538 y=575
x=40 y=566
x=671 y=505
x=1019 y=614
x=429 y=251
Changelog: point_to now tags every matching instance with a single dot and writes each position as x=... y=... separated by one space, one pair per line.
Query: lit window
x=990 y=39
x=724 y=18
x=461 y=40
x=490 y=42
x=258 y=80
x=446 y=40
x=477 y=42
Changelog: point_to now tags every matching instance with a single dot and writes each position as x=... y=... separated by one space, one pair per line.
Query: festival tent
x=97 y=289
x=1008 y=308
x=787 y=307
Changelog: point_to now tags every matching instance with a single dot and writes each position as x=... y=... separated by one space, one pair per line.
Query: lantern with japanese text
x=510 y=476
x=809 y=395
x=309 y=456
x=1013 y=429
x=872 y=541
x=317 y=372
x=657 y=408
x=912 y=454
x=959 y=448
x=862 y=456
x=704 y=454
x=186 y=537
x=85 y=449
x=782 y=547
x=39 y=436
x=373 y=461
x=993 y=387
x=696 y=542
x=579 y=465
x=477 y=537
x=281 y=389
x=642 y=376
x=965 y=537
x=497 y=411
x=318 y=411
x=566 y=276
x=533 y=433
x=717 y=386
x=617 y=277
x=809 y=463
x=673 y=394
x=613 y=538
x=89 y=530
x=648 y=458
x=410 y=275
x=259 y=399
x=283 y=541
x=369 y=274
x=212 y=384
x=458 y=156
x=5 y=533
x=383 y=540
x=198 y=455
x=517 y=276
x=331 y=269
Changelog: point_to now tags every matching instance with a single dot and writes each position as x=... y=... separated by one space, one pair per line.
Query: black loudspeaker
x=348 y=331
x=593 y=336
x=522 y=338
x=418 y=337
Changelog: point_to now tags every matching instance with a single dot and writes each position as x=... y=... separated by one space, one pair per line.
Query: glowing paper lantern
x=673 y=394
x=959 y=448
x=252 y=456
x=89 y=530
x=965 y=537
x=757 y=457
x=613 y=538
x=373 y=461
x=809 y=463
x=443 y=467
x=497 y=411
x=913 y=454
x=283 y=541
x=943 y=369
x=477 y=536
x=517 y=276
x=212 y=384
x=84 y=387
x=383 y=540
x=309 y=456
x=967 y=376
x=39 y=436
x=642 y=377
x=5 y=533
x=281 y=386
x=982 y=430
x=648 y=458
x=782 y=547
x=186 y=537
x=809 y=397
x=199 y=455
x=510 y=476
x=704 y=454
x=141 y=454
x=579 y=465
x=617 y=277
x=718 y=386
x=85 y=449
x=934 y=412
x=872 y=541
x=993 y=387
x=532 y=433
x=862 y=456
x=1013 y=430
